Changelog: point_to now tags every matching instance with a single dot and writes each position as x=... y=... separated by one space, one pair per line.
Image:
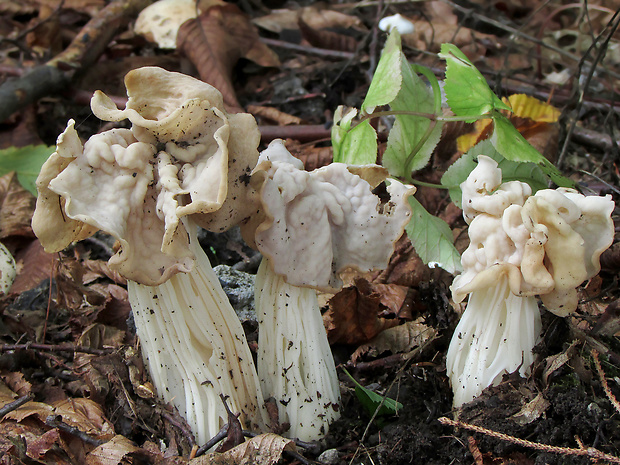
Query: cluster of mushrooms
x=187 y=163
x=184 y=163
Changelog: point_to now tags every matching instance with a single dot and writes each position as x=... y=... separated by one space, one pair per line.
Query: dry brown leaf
x=330 y=40
x=312 y=157
x=37 y=409
x=353 y=315
x=42 y=445
x=33 y=266
x=315 y=16
x=264 y=449
x=403 y=338
x=112 y=452
x=85 y=415
x=274 y=115
x=216 y=40
x=16 y=208
x=16 y=382
x=532 y=410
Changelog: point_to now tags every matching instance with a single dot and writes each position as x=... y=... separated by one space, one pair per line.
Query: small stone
x=329 y=457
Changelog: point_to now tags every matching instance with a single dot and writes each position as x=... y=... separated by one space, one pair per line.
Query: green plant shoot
x=371 y=401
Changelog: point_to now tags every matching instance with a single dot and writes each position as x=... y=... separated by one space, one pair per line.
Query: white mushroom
x=183 y=161
x=521 y=246
x=312 y=226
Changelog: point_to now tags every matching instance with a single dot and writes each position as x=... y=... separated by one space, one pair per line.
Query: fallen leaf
x=264 y=449
x=532 y=410
x=273 y=114
x=16 y=208
x=16 y=382
x=216 y=40
x=402 y=338
x=324 y=38
x=41 y=445
x=314 y=16
x=353 y=315
x=112 y=452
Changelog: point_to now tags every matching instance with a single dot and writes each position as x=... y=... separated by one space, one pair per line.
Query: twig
x=531 y=38
x=613 y=26
x=589 y=452
x=55 y=75
x=601 y=375
x=15 y=404
x=222 y=433
x=309 y=50
x=55 y=422
x=55 y=348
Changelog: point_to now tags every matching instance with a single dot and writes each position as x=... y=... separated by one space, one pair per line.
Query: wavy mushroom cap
x=547 y=243
x=317 y=224
x=184 y=156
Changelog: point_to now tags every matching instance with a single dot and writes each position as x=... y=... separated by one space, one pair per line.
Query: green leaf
x=513 y=146
x=530 y=173
x=412 y=138
x=387 y=80
x=26 y=162
x=432 y=238
x=466 y=89
x=371 y=400
x=357 y=146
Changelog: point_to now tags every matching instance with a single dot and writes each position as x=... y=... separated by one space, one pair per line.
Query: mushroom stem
x=195 y=348
x=295 y=363
x=495 y=336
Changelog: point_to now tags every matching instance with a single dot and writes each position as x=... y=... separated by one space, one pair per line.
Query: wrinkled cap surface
x=547 y=244
x=316 y=224
x=137 y=184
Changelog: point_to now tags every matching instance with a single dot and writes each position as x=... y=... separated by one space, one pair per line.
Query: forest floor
x=68 y=348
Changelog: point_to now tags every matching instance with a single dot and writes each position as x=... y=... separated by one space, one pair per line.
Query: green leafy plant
x=414 y=97
x=26 y=162
x=371 y=401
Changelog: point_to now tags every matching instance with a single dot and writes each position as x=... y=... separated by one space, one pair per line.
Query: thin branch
x=55 y=75
x=589 y=452
x=601 y=375
x=55 y=348
x=55 y=422
x=15 y=404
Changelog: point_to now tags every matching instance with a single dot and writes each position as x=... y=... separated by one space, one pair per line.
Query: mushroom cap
x=160 y=21
x=137 y=184
x=547 y=243
x=316 y=224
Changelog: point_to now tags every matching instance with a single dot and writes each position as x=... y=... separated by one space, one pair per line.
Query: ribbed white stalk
x=295 y=362
x=495 y=336
x=195 y=349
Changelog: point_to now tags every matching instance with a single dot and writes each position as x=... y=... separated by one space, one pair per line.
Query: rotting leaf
x=324 y=38
x=532 y=410
x=264 y=449
x=353 y=315
x=16 y=208
x=112 y=452
x=33 y=266
x=216 y=40
x=402 y=338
